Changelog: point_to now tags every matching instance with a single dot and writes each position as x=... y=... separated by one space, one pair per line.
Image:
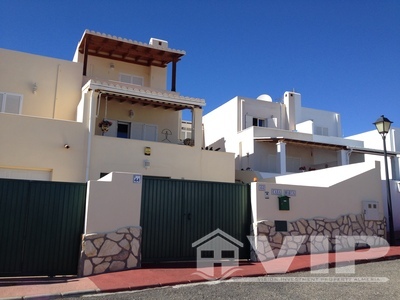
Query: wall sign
x=276 y=192
x=137 y=178
x=289 y=193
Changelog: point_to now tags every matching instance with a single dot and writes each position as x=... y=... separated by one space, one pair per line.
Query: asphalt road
x=376 y=280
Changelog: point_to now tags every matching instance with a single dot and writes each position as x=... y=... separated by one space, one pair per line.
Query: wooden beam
x=85 y=56
x=173 y=81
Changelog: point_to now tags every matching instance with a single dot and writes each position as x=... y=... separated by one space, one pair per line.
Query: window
x=128 y=78
x=319 y=130
x=10 y=103
x=186 y=130
x=123 y=130
x=258 y=122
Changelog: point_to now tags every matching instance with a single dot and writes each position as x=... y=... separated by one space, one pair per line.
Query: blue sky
x=341 y=55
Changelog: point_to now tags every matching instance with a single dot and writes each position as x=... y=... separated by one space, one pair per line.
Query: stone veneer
x=315 y=231
x=110 y=252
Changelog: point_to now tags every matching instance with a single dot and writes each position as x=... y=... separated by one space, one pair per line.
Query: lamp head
x=383 y=125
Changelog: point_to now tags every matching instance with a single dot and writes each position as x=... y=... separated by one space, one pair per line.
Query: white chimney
x=158 y=43
x=292 y=102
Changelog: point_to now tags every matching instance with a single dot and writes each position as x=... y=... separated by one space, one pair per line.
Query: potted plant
x=105 y=125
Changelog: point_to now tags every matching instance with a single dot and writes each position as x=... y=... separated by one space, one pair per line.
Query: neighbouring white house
x=272 y=140
x=107 y=110
x=276 y=138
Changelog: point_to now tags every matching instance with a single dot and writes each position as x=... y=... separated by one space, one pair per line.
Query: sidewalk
x=157 y=275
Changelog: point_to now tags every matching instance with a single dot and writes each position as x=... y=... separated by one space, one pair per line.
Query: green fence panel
x=161 y=215
x=55 y=225
x=13 y=211
x=45 y=221
x=176 y=213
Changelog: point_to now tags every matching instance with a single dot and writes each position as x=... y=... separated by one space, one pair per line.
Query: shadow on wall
x=218 y=145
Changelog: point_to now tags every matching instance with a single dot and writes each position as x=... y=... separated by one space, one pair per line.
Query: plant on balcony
x=105 y=125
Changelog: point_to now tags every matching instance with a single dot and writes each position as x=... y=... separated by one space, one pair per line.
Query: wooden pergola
x=129 y=51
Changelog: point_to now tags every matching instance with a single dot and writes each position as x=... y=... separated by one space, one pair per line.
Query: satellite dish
x=265 y=97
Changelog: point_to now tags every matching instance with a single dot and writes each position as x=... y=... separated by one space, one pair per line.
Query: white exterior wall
x=32 y=143
x=242 y=145
x=316 y=198
x=176 y=161
x=158 y=78
x=58 y=84
x=259 y=109
x=373 y=140
x=113 y=202
x=220 y=124
x=320 y=118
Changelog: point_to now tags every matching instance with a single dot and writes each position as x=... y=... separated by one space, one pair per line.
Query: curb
x=55 y=296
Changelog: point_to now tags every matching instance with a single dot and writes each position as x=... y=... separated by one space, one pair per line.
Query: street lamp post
x=383 y=127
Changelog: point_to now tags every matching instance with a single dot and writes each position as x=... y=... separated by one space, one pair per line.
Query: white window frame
x=320 y=130
x=128 y=124
x=133 y=79
x=3 y=100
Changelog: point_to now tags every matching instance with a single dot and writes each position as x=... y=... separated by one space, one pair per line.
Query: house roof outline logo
x=217 y=242
x=215 y=233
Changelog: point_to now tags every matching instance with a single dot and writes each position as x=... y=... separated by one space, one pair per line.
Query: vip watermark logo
x=220 y=251
x=320 y=257
x=217 y=251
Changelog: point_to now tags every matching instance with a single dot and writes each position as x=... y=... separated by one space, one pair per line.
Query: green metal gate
x=40 y=227
x=176 y=213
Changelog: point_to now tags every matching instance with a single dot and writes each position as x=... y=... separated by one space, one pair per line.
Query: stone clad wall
x=317 y=231
x=111 y=252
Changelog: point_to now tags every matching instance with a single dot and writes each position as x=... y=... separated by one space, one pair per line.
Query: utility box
x=370 y=209
x=284 y=203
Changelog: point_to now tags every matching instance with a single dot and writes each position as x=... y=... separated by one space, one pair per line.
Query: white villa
x=107 y=117
x=276 y=138
x=52 y=114
x=272 y=140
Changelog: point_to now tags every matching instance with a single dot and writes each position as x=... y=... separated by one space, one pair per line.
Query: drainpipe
x=90 y=134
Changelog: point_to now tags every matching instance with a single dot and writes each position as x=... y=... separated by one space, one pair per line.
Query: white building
x=51 y=111
x=275 y=138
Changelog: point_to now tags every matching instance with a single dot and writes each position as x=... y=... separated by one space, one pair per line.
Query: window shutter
x=150 y=133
